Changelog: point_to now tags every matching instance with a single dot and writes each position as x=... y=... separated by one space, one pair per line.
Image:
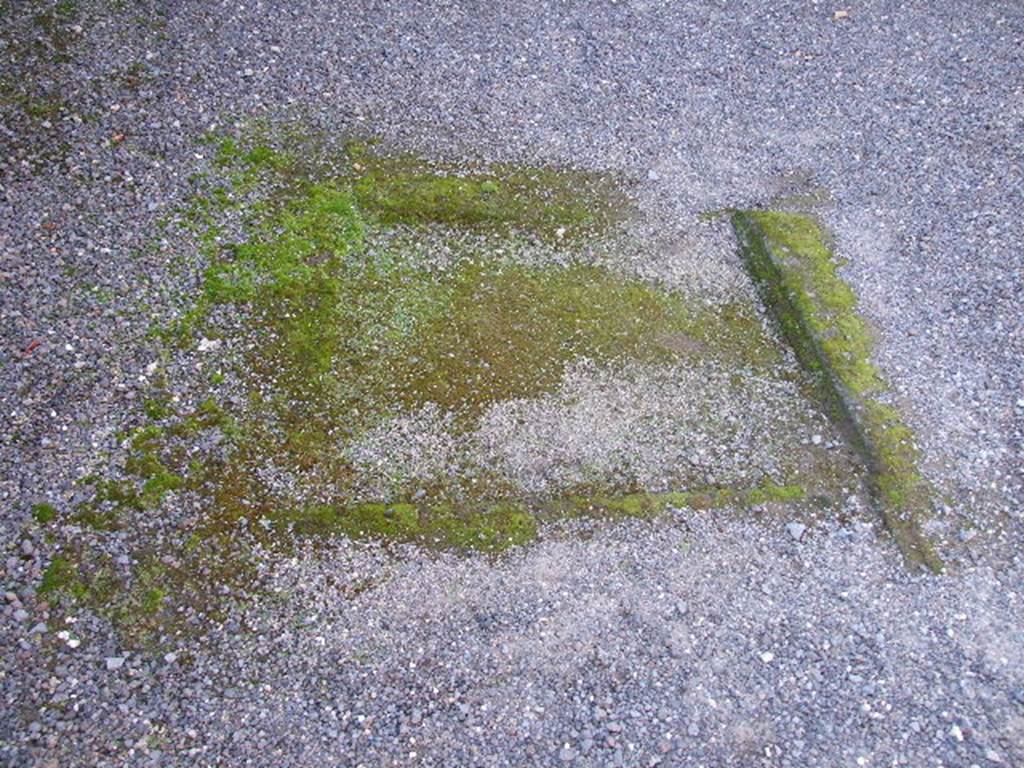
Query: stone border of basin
x=795 y=271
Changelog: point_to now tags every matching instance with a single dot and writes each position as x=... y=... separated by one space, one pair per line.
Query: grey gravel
x=904 y=121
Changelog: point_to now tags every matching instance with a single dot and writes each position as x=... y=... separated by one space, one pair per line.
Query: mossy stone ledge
x=795 y=271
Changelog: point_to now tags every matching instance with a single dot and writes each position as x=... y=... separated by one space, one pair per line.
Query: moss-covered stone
x=789 y=259
x=349 y=332
x=646 y=504
x=494 y=527
x=348 y=324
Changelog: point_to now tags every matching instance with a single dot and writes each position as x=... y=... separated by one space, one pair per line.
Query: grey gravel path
x=717 y=640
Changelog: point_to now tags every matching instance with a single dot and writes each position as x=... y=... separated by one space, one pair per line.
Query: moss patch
x=349 y=298
x=43 y=513
x=490 y=528
x=652 y=504
x=349 y=326
x=60 y=575
x=140 y=605
x=498 y=526
x=348 y=329
x=796 y=274
x=555 y=205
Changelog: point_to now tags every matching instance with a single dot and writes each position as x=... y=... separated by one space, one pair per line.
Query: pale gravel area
x=720 y=639
x=693 y=424
x=717 y=642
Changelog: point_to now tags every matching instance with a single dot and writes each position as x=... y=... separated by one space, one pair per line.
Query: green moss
x=492 y=528
x=68 y=584
x=146 y=437
x=492 y=332
x=146 y=463
x=796 y=273
x=348 y=324
x=652 y=504
x=112 y=497
x=799 y=270
x=349 y=330
x=137 y=607
x=152 y=600
x=59 y=575
x=69 y=580
x=552 y=204
x=157 y=408
x=43 y=512
x=157 y=485
x=495 y=527
x=775 y=493
x=208 y=415
x=906 y=494
x=120 y=493
x=359 y=521
x=247 y=160
x=92 y=516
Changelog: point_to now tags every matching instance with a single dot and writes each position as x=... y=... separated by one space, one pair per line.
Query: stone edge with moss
x=499 y=526
x=795 y=272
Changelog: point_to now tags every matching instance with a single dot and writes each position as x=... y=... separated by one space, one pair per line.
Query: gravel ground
x=718 y=640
